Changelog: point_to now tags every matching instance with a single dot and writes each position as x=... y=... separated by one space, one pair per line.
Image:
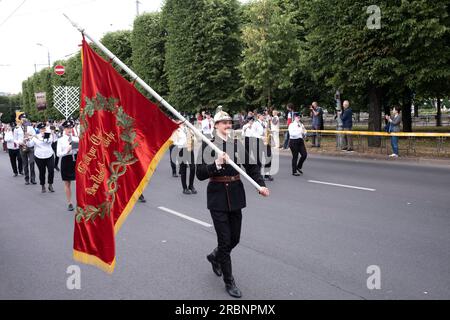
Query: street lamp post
x=48 y=52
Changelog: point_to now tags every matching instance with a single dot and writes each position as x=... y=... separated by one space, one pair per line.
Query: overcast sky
x=23 y=24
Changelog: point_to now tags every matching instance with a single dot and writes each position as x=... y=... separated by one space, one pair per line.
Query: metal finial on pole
x=163 y=102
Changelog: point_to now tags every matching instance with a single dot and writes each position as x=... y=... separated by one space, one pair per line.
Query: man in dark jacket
x=225 y=197
x=347 y=125
x=317 y=123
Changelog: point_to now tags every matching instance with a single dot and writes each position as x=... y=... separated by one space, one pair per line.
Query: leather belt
x=225 y=179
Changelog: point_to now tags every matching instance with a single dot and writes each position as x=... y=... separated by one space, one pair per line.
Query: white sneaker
x=393 y=155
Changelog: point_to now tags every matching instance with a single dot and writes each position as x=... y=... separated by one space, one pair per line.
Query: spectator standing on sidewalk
x=317 y=123
x=394 y=126
x=347 y=125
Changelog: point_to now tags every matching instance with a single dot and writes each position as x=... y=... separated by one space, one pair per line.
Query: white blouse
x=62 y=148
x=42 y=147
x=297 y=130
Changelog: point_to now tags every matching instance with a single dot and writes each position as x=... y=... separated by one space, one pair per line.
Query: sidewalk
x=370 y=156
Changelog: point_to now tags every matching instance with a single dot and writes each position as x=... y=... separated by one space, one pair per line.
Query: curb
x=373 y=157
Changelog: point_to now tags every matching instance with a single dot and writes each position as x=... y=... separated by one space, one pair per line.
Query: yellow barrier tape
x=380 y=134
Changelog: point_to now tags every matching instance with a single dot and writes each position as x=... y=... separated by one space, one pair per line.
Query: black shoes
x=142 y=199
x=33 y=182
x=215 y=265
x=296 y=174
x=27 y=183
x=15 y=174
x=43 y=189
x=57 y=169
x=193 y=191
x=233 y=290
x=174 y=175
x=268 y=177
x=70 y=207
x=190 y=190
x=50 y=188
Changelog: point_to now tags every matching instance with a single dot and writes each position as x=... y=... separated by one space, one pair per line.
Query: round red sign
x=60 y=70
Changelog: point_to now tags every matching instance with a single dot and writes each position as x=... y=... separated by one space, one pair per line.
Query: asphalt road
x=309 y=240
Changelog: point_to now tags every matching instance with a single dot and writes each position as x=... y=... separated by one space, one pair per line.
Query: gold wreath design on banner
x=123 y=159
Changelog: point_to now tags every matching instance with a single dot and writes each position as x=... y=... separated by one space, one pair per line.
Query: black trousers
x=228 y=229
x=28 y=164
x=297 y=146
x=43 y=165
x=172 y=163
x=16 y=160
x=183 y=169
x=54 y=145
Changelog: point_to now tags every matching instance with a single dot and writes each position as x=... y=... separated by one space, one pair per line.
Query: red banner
x=123 y=137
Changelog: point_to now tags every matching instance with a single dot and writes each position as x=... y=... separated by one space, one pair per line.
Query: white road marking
x=342 y=185
x=185 y=217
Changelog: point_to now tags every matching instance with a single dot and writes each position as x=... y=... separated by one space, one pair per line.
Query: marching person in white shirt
x=297 y=133
x=67 y=150
x=22 y=137
x=13 y=150
x=275 y=127
x=207 y=125
x=44 y=157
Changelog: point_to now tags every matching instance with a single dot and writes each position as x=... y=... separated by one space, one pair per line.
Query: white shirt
x=248 y=131
x=9 y=139
x=180 y=138
x=275 y=124
x=297 y=130
x=258 y=130
x=42 y=148
x=19 y=135
x=62 y=148
x=207 y=126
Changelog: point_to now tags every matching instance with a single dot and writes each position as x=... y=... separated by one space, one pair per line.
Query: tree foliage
x=148 y=51
x=202 y=52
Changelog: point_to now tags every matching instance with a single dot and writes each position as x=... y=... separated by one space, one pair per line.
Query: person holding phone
x=67 y=149
x=44 y=157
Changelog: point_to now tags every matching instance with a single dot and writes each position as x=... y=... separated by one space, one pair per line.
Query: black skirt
x=68 y=168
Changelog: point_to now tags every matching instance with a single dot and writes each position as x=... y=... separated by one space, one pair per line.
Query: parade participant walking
x=43 y=154
x=185 y=155
x=13 y=150
x=225 y=197
x=297 y=133
x=290 y=118
x=275 y=128
x=207 y=125
x=55 y=135
x=67 y=150
x=22 y=137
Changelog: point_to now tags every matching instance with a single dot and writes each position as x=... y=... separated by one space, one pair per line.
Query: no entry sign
x=60 y=70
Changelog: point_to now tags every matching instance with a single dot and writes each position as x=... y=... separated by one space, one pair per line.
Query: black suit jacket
x=225 y=196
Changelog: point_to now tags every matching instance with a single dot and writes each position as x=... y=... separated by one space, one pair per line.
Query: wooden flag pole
x=161 y=100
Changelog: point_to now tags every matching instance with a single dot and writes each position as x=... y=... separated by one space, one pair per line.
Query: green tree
x=387 y=62
x=148 y=51
x=119 y=43
x=272 y=50
x=202 y=52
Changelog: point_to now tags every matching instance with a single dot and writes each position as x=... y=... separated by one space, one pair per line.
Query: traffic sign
x=60 y=70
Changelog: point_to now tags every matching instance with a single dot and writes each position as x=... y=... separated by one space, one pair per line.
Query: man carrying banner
x=225 y=197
